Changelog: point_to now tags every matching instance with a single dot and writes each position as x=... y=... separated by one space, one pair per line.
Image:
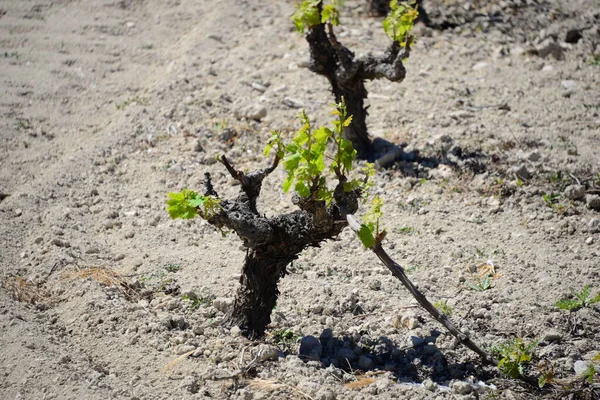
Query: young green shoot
x=580 y=300
x=400 y=22
x=484 y=284
x=187 y=204
x=515 y=356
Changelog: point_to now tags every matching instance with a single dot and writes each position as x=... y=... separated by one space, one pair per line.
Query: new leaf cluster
x=187 y=204
x=305 y=158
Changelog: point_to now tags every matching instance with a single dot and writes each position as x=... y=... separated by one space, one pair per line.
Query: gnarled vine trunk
x=274 y=242
x=347 y=76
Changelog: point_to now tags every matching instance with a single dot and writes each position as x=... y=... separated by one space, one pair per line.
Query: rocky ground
x=108 y=105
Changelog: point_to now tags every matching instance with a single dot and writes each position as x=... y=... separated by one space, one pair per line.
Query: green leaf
x=596 y=299
x=542 y=380
x=584 y=294
x=567 y=304
x=292 y=161
x=287 y=184
x=588 y=374
x=302 y=189
x=178 y=205
x=366 y=236
x=400 y=21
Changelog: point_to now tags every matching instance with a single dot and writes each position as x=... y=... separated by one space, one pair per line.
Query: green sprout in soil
x=196 y=301
x=484 y=284
x=580 y=300
x=591 y=371
x=515 y=356
x=443 y=306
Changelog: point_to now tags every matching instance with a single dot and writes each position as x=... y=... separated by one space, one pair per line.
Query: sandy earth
x=108 y=105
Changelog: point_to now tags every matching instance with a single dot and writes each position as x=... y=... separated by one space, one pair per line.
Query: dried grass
x=26 y=291
x=272 y=385
x=106 y=277
x=171 y=364
x=360 y=382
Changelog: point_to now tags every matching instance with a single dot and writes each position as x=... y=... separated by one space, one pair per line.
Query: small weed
x=410 y=269
x=172 y=267
x=148 y=46
x=131 y=100
x=6 y=54
x=423 y=181
x=595 y=60
x=582 y=299
x=407 y=230
x=197 y=302
x=160 y=280
x=514 y=356
x=552 y=199
x=285 y=337
x=220 y=126
x=23 y=123
x=591 y=370
x=484 y=284
x=519 y=182
x=443 y=306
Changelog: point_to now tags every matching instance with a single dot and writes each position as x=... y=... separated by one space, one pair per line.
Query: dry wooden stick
x=399 y=273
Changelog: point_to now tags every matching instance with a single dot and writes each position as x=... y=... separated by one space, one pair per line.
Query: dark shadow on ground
x=412 y=363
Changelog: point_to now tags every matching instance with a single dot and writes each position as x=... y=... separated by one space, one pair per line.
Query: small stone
x=226 y=136
x=235 y=331
x=575 y=192
x=593 y=225
x=430 y=385
x=569 y=84
x=179 y=350
x=580 y=367
x=18 y=212
x=572 y=151
x=60 y=243
x=119 y=257
x=293 y=103
x=547 y=68
x=375 y=285
x=589 y=240
x=410 y=321
x=222 y=304
x=251 y=111
x=198 y=352
x=259 y=87
x=520 y=171
x=552 y=336
x=266 y=352
x=460 y=387
x=534 y=156
x=311 y=347
x=480 y=65
x=551 y=49
x=175 y=169
x=190 y=383
x=593 y=201
x=198 y=148
x=459 y=115
x=311 y=275
x=129 y=235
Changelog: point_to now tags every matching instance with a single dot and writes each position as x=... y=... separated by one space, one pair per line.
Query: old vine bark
x=347 y=75
x=272 y=243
